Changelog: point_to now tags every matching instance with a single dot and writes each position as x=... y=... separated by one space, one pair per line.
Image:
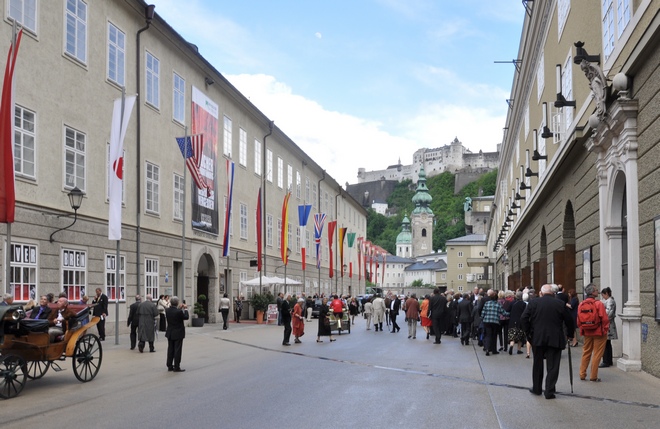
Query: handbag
x=326 y=321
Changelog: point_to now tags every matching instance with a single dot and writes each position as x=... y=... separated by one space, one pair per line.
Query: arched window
x=424 y=232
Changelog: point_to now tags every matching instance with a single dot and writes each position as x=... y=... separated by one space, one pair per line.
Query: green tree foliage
x=447 y=208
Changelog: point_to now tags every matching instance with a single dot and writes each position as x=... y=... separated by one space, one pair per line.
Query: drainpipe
x=319 y=209
x=148 y=15
x=271 y=125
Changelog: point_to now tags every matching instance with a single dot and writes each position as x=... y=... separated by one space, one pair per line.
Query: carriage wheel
x=36 y=369
x=12 y=376
x=87 y=357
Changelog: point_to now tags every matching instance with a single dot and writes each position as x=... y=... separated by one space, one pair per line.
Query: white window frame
x=242 y=147
x=269 y=230
x=152 y=184
x=178 y=98
x=25 y=131
x=298 y=239
x=540 y=77
x=24 y=272
x=76 y=27
x=24 y=12
x=257 y=157
x=279 y=234
x=179 y=196
x=459 y=254
x=110 y=273
x=151 y=276
x=280 y=173
x=298 y=185
x=226 y=136
x=74 y=273
x=244 y=221
x=75 y=147
x=152 y=79
x=614 y=19
x=289 y=178
x=116 y=62
x=269 y=165
x=563 y=9
x=460 y=265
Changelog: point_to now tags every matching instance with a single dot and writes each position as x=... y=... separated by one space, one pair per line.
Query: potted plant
x=260 y=303
x=198 y=320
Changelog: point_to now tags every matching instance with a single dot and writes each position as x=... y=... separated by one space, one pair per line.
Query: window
x=244 y=221
x=178 y=99
x=566 y=115
x=460 y=277
x=615 y=21
x=269 y=165
x=280 y=173
x=444 y=276
x=460 y=265
x=481 y=253
x=179 y=199
x=289 y=178
x=226 y=145
x=74 y=269
x=153 y=188
x=257 y=157
x=307 y=189
x=152 y=80
x=269 y=230
x=298 y=244
x=75 y=148
x=23 y=273
x=313 y=195
x=289 y=235
x=298 y=185
x=460 y=254
x=76 y=29
x=279 y=233
x=111 y=275
x=24 y=12
x=243 y=276
x=563 y=7
x=540 y=77
x=307 y=243
x=116 y=55
x=151 y=276
x=526 y=120
x=242 y=147
x=24 y=142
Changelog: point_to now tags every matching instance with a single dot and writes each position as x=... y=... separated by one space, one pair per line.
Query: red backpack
x=588 y=316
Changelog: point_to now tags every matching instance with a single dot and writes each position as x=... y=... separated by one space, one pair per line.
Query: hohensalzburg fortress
x=453 y=157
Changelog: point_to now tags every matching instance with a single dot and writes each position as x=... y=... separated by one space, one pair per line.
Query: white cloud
x=318 y=35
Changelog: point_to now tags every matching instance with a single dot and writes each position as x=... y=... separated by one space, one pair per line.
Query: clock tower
x=422 y=218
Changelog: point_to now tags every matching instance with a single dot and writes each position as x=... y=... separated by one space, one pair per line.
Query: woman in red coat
x=298 y=321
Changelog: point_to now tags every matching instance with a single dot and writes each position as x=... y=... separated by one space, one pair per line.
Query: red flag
x=340 y=237
x=259 y=231
x=285 y=228
x=7 y=189
x=331 y=233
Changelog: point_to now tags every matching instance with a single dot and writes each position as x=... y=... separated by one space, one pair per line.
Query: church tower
x=422 y=218
x=404 y=240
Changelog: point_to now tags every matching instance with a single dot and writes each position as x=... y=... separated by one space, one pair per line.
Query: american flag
x=191 y=148
x=319 y=220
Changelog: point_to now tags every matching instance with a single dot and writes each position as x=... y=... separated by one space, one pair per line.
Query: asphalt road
x=245 y=378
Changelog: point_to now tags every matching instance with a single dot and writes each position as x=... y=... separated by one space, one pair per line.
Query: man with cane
x=542 y=322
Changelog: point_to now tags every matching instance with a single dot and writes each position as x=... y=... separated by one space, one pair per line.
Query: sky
x=363 y=83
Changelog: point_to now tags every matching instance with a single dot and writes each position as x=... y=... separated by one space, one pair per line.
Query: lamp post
x=75 y=200
x=342 y=278
x=288 y=253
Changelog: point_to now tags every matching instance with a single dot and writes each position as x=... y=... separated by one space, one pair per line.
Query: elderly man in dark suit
x=543 y=321
x=176 y=332
x=438 y=306
x=133 y=320
x=100 y=303
x=43 y=311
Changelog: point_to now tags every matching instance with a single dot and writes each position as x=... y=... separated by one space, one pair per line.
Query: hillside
x=447 y=207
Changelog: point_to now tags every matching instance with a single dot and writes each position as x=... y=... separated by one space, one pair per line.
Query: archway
x=206 y=283
x=541 y=267
x=564 y=259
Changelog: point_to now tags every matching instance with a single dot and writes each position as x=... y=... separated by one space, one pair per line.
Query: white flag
x=116 y=167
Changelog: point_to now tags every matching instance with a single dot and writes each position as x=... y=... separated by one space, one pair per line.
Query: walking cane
x=570 y=367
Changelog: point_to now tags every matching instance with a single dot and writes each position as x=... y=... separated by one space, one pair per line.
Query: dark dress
x=324 y=330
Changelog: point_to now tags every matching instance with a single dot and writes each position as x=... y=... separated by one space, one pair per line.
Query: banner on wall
x=204 y=120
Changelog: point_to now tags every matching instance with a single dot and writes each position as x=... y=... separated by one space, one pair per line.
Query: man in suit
x=43 y=311
x=176 y=332
x=100 y=310
x=465 y=318
x=57 y=320
x=133 y=320
x=147 y=314
x=395 y=305
x=286 y=319
x=7 y=299
x=543 y=321
x=438 y=306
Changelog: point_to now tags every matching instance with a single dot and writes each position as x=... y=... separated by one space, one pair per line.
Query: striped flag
x=285 y=228
x=331 y=234
x=230 y=195
x=259 y=226
x=7 y=189
x=303 y=217
x=192 y=148
x=319 y=220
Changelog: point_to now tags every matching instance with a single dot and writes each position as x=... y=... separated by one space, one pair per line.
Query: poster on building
x=204 y=201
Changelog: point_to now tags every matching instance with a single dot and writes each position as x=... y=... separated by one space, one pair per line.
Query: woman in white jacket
x=610 y=308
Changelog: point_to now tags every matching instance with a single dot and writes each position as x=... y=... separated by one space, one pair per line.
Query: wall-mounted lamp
x=75 y=199
x=523 y=186
x=529 y=172
x=582 y=55
x=561 y=101
x=208 y=81
x=537 y=156
x=546 y=133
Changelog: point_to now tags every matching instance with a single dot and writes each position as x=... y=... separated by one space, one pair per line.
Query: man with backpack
x=594 y=325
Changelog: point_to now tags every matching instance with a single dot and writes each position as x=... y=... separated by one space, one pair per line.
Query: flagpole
x=117 y=256
x=183 y=229
x=11 y=142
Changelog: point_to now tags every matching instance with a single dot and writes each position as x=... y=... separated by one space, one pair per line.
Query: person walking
x=100 y=304
x=353 y=309
x=368 y=311
x=285 y=311
x=298 y=323
x=324 y=322
x=594 y=326
x=424 y=315
x=309 y=307
x=162 y=305
x=610 y=309
x=395 y=306
x=238 y=308
x=132 y=320
x=225 y=303
x=147 y=314
x=176 y=331
x=438 y=306
x=573 y=303
x=515 y=333
x=464 y=314
x=379 y=312
x=490 y=314
x=278 y=301
x=412 y=315
x=544 y=320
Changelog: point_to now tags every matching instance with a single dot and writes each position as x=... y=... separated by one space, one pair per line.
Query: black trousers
x=552 y=358
x=133 y=335
x=395 y=326
x=287 y=331
x=437 y=325
x=174 y=349
x=465 y=332
x=225 y=315
x=607 y=355
x=101 y=328
x=490 y=336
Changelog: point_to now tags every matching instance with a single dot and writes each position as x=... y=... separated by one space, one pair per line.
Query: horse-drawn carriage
x=26 y=350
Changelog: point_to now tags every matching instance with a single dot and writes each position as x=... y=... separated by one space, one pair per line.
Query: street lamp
x=288 y=253
x=342 y=278
x=75 y=200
